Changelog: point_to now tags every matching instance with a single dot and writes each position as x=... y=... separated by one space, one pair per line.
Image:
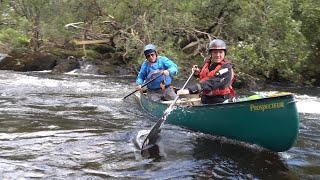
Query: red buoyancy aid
x=205 y=75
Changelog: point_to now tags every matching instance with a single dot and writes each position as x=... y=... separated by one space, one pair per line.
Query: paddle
x=155 y=130
x=143 y=85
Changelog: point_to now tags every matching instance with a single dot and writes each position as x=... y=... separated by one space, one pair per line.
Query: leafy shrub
x=13 y=38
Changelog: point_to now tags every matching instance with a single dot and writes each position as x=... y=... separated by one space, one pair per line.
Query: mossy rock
x=28 y=62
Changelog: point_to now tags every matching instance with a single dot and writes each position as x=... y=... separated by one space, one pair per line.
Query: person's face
x=151 y=57
x=217 y=55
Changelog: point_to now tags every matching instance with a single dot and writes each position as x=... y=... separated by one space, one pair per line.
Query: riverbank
x=64 y=60
x=106 y=62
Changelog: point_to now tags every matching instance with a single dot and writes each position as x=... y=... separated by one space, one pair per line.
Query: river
x=76 y=126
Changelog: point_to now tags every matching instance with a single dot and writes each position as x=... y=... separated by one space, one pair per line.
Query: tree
x=309 y=14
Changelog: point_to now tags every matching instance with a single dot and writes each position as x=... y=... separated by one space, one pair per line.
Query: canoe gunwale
x=238 y=103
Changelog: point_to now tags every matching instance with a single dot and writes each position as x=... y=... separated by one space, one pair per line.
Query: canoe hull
x=272 y=122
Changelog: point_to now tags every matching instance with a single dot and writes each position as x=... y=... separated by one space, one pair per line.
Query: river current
x=76 y=126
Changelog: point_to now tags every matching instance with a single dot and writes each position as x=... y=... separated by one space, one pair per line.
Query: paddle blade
x=153 y=135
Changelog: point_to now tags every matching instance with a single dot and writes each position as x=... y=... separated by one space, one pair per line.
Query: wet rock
x=28 y=62
x=2 y=56
x=66 y=65
x=41 y=62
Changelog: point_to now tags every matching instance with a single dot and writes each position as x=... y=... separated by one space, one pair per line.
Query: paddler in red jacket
x=216 y=76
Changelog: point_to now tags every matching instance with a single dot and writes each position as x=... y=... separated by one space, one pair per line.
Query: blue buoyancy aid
x=150 y=70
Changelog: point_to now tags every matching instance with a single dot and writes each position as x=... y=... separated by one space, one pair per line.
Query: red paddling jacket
x=216 y=79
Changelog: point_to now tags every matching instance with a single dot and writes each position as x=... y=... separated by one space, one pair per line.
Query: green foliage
x=14 y=38
x=278 y=39
x=271 y=39
x=309 y=15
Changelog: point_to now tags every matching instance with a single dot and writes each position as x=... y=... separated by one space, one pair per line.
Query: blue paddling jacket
x=150 y=70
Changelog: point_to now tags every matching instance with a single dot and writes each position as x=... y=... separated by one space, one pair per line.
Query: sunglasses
x=149 y=55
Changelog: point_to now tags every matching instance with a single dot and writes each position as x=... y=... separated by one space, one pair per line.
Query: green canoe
x=270 y=121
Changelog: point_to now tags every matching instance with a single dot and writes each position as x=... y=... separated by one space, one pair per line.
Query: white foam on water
x=25 y=80
x=35 y=84
x=44 y=71
x=139 y=138
x=308 y=104
x=305 y=103
x=75 y=72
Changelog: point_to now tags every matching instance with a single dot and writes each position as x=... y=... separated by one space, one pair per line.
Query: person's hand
x=138 y=88
x=195 y=69
x=183 y=92
x=166 y=72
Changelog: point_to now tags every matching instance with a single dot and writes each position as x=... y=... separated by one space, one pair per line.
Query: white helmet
x=148 y=49
x=217 y=44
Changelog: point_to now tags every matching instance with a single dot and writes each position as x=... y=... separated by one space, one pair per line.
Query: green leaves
x=13 y=38
x=263 y=37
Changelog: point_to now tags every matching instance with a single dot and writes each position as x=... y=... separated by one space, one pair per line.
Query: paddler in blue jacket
x=162 y=68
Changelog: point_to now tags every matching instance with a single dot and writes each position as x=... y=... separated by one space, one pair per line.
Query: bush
x=13 y=38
